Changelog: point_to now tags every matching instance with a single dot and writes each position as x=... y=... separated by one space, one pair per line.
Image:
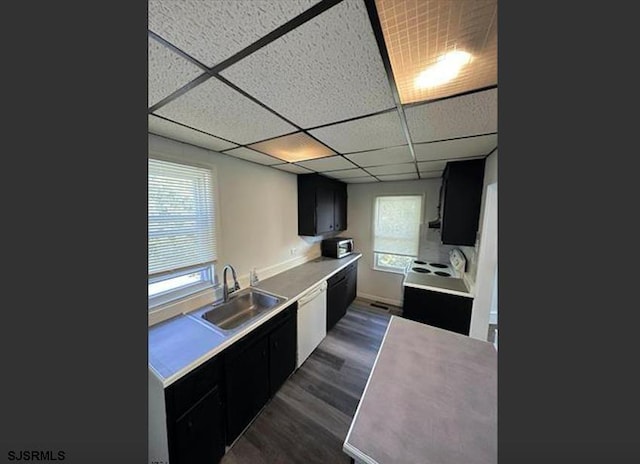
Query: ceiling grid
x=307 y=111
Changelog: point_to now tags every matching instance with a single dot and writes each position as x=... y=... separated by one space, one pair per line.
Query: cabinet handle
x=276 y=345
x=330 y=227
x=189 y=424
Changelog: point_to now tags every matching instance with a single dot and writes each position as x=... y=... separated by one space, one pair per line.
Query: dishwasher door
x=312 y=321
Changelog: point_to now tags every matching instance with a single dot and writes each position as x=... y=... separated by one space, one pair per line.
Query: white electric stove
x=454 y=268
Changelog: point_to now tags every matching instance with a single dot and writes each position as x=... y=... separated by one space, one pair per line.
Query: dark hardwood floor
x=308 y=419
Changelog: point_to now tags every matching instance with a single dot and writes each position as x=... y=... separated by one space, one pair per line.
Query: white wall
x=257 y=209
x=379 y=285
x=487 y=252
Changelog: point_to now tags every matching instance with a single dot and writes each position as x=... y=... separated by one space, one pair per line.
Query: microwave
x=337 y=247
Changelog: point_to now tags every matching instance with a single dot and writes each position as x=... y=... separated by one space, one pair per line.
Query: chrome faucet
x=225 y=287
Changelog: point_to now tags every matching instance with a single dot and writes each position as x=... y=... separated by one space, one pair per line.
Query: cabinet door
x=352 y=283
x=340 y=207
x=336 y=302
x=461 y=198
x=438 y=309
x=247 y=375
x=324 y=209
x=282 y=353
x=198 y=435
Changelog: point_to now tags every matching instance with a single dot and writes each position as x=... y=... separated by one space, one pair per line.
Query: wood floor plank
x=307 y=420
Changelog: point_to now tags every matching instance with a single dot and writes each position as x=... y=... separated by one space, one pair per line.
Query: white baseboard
x=381 y=299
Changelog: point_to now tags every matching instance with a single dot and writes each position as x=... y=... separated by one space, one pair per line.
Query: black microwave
x=337 y=247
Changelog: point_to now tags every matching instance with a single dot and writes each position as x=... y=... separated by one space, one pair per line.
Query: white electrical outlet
x=293 y=251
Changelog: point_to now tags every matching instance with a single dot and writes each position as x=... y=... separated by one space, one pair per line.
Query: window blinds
x=181 y=216
x=396 y=226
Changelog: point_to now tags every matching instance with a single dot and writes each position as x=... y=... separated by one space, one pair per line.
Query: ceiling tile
x=459 y=148
x=175 y=131
x=216 y=108
x=294 y=147
x=471 y=114
x=329 y=69
x=380 y=131
x=346 y=173
x=431 y=166
x=359 y=180
x=251 y=155
x=393 y=155
x=398 y=177
x=393 y=169
x=168 y=71
x=431 y=175
x=212 y=31
x=292 y=168
x=328 y=164
x=418 y=34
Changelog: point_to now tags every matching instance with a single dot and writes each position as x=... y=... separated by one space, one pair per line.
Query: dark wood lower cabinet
x=336 y=299
x=438 y=309
x=213 y=404
x=198 y=436
x=256 y=367
x=341 y=291
x=247 y=373
x=196 y=416
x=282 y=353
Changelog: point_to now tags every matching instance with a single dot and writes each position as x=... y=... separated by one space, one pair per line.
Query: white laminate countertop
x=452 y=285
x=182 y=343
x=431 y=398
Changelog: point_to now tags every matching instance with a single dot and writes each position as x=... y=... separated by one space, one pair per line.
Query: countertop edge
x=166 y=381
x=347 y=447
x=438 y=289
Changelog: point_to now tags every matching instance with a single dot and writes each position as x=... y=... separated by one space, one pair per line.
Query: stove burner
x=438 y=265
x=420 y=262
x=443 y=274
x=420 y=269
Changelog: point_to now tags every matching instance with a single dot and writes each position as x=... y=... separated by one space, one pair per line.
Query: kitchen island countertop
x=442 y=410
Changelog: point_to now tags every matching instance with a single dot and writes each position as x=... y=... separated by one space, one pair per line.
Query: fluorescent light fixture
x=445 y=69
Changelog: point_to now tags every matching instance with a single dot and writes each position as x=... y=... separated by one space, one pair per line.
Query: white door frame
x=487 y=266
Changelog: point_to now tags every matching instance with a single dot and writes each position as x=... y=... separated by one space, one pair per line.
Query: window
x=396 y=229
x=182 y=243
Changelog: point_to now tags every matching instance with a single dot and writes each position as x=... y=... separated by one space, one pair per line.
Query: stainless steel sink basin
x=243 y=306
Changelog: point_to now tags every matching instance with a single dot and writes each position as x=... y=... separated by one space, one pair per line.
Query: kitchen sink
x=242 y=307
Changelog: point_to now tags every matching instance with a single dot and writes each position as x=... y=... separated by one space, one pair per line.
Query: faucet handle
x=236 y=286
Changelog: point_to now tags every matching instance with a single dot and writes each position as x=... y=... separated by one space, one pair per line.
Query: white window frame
x=376 y=255
x=172 y=302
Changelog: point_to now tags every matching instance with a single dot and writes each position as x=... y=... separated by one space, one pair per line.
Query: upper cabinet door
x=340 y=207
x=324 y=209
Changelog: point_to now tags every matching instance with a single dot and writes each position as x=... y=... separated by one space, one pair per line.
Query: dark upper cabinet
x=195 y=415
x=460 y=198
x=322 y=205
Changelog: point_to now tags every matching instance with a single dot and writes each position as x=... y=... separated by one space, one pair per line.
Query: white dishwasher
x=312 y=321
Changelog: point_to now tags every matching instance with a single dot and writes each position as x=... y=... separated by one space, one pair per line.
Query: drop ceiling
x=325 y=86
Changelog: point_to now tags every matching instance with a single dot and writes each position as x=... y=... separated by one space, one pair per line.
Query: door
x=247 y=385
x=324 y=209
x=340 y=208
x=282 y=354
x=199 y=433
x=336 y=302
